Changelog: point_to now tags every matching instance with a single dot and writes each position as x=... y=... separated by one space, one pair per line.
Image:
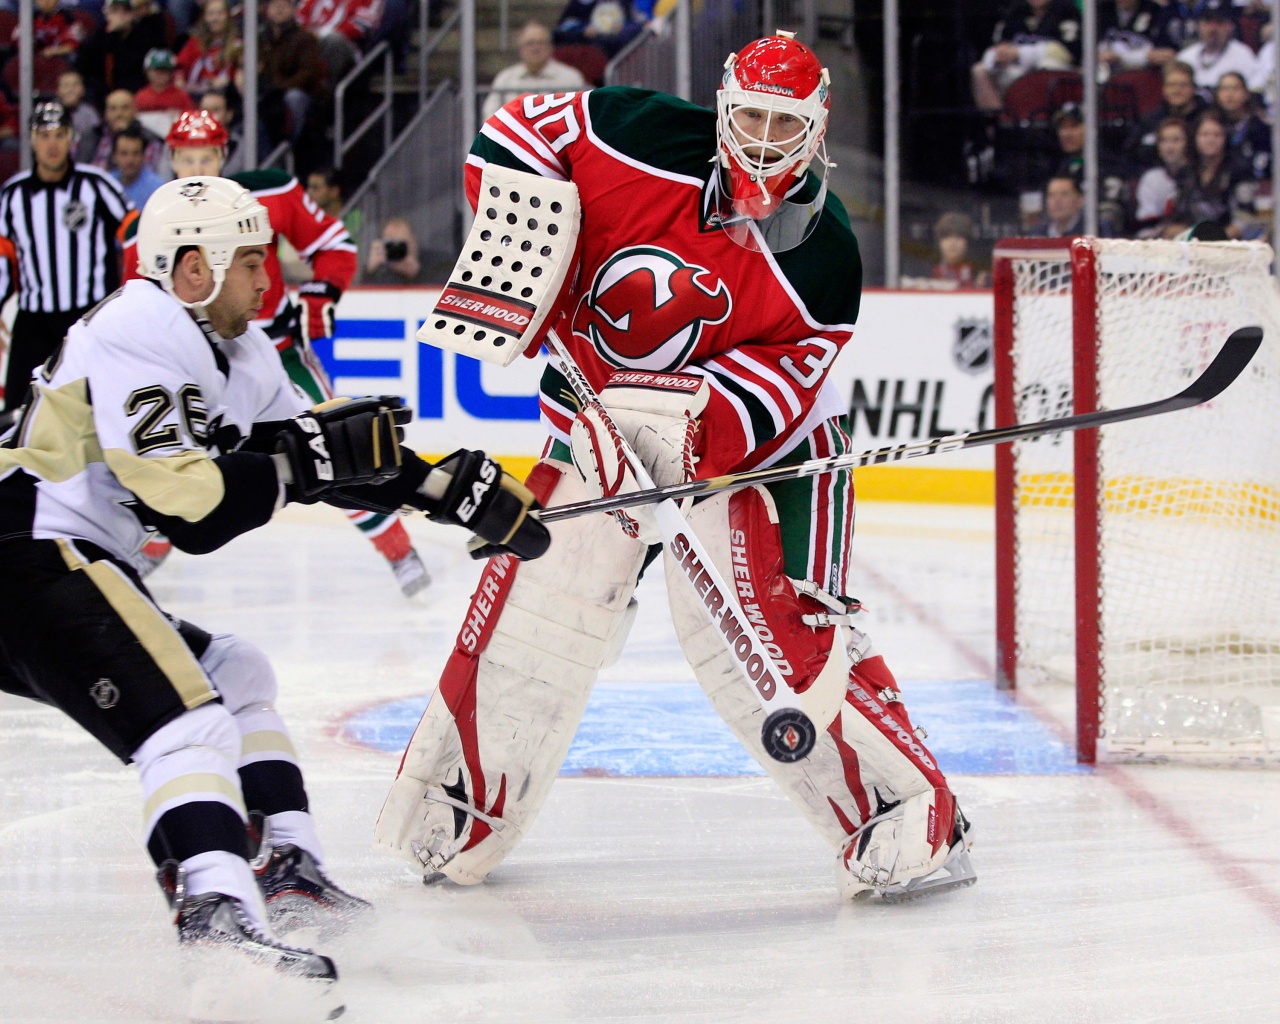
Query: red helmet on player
x=197 y=128
x=771 y=116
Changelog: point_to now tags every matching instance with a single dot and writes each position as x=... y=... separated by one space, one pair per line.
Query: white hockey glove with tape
x=657 y=415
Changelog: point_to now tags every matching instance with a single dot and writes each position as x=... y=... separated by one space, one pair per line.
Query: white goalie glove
x=656 y=414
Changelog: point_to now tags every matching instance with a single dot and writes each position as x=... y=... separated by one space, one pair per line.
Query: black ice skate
x=299 y=895
x=213 y=926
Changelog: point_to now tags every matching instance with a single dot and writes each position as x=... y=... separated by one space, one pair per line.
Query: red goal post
x=1140 y=563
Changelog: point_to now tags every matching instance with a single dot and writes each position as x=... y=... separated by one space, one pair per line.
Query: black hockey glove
x=342 y=441
x=493 y=505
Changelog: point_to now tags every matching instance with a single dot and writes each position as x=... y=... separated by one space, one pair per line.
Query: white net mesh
x=1189 y=552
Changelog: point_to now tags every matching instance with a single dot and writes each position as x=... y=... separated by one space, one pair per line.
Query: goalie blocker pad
x=508 y=276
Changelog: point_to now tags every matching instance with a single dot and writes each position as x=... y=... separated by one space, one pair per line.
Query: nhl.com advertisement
x=919 y=366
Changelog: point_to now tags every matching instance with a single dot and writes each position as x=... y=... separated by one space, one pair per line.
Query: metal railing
x=418 y=178
x=432 y=44
x=686 y=57
x=342 y=142
x=281 y=156
x=647 y=62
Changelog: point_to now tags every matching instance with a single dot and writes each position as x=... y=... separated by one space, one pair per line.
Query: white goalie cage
x=1141 y=562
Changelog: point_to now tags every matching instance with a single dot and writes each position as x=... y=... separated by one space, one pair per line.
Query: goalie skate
x=956 y=873
x=881 y=859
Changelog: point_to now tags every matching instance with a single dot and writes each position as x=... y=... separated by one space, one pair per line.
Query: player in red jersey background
x=197 y=145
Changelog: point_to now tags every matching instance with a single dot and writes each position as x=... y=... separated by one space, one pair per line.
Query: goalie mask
x=771 y=117
x=214 y=214
x=202 y=139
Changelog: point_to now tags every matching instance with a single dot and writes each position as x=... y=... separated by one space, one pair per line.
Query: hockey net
x=1141 y=562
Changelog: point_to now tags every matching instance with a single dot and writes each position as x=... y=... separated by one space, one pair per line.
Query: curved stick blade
x=1227 y=365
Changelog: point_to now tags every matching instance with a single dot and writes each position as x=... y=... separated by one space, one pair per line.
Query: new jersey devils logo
x=646 y=308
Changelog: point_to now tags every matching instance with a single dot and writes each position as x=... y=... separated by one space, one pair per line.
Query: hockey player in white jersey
x=166 y=409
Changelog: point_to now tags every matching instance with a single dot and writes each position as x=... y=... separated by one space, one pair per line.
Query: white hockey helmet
x=215 y=214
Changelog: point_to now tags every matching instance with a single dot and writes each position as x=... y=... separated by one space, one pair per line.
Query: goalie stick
x=1225 y=367
x=789 y=732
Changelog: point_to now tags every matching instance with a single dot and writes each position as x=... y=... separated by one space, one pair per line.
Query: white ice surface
x=1122 y=895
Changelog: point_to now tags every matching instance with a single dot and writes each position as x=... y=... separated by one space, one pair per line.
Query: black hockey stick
x=1226 y=366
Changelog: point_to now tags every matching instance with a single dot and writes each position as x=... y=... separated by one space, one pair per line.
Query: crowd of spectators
x=120 y=64
x=536 y=71
x=168 y=53
x=1187 y=97
x=126 y=69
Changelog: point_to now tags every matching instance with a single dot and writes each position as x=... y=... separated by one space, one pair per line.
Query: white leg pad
x=867 y=756
x=808 y=783
x=489 y=746
x=896 y=852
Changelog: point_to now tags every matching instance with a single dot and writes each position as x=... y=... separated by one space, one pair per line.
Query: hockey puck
x=788 y=735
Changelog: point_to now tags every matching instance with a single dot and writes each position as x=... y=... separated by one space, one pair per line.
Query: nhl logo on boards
x=75 y=215
x=104 y=693
x=971 y=346
x=646 y=308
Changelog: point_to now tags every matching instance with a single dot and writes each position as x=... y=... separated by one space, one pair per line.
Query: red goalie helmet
x=771 y=116
x=197 y=128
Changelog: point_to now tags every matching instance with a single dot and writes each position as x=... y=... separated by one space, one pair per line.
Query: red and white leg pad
x=913 y=840
x=869 y=767
x=740 y=532
x=493 y=737
x=906 y=844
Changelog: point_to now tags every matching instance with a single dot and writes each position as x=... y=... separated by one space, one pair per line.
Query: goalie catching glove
x=340 y=442
x=656 y=414
x=470 y=490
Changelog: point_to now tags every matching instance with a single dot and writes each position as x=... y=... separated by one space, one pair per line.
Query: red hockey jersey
x=321 y=240
x=661 y=287
x=355 y=19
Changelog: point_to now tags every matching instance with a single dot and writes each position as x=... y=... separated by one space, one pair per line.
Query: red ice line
x=1225 y=865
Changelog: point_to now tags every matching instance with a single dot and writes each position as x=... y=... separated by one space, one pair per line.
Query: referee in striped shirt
x=62 y=219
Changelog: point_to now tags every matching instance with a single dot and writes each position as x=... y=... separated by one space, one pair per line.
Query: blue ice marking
x=669 y=729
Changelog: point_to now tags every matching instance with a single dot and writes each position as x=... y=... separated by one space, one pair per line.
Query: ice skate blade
x=956 y=873
x=227 y=990
x=297 y=912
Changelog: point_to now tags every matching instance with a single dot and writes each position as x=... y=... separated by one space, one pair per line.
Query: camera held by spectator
x=393 y=258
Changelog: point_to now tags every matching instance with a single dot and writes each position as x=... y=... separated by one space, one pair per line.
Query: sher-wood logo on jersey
x=646 y=308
